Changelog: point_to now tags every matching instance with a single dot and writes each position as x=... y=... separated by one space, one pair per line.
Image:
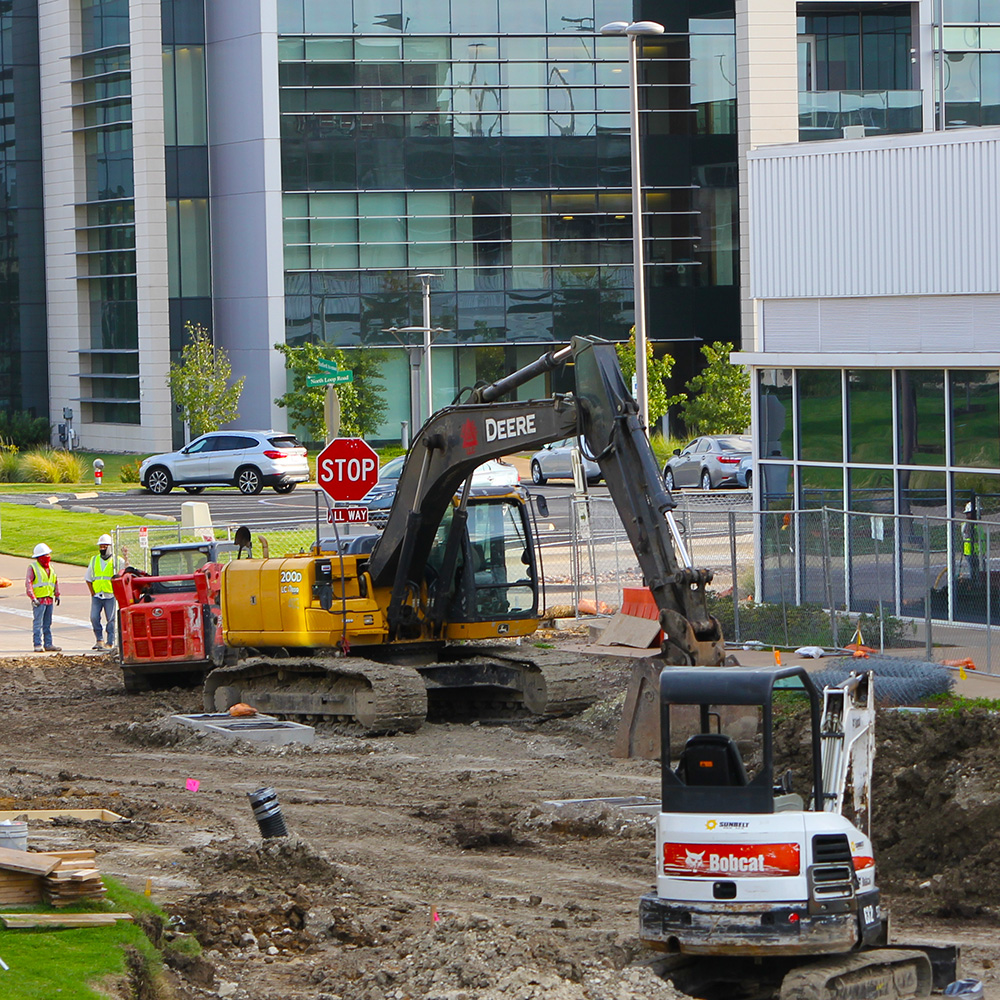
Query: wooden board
x=104 y=815
x=73 y=855
x=25 y=861
x=14 y=920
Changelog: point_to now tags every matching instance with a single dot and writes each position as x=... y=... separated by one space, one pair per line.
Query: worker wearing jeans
x=100 y=570
x=42 y=586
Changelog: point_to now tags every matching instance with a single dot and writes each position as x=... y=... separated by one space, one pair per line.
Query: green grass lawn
x=71 y=964
x=72 y=537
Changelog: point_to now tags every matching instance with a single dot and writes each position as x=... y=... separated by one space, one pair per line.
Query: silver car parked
x=249 y=460
x=708 y=462
x=555 y=461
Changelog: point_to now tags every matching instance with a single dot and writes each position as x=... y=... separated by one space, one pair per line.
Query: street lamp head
x=645 y=28
x=614 y=28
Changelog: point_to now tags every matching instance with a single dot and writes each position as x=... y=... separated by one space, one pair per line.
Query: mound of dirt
x=936 y=810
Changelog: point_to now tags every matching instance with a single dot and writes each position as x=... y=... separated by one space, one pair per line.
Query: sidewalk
x=70 y=621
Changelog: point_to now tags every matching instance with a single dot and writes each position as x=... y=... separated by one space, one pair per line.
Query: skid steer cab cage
x=710 y=776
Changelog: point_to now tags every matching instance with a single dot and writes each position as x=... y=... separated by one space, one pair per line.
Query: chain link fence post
x=736 y=586
x=827 y=582
x=928 y=640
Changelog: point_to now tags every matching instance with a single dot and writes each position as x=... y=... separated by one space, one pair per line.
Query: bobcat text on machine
x=452 y=563
x=777 y=887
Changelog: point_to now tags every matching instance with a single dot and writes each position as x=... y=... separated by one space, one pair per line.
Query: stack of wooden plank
x=59 y=877
x=74 y=878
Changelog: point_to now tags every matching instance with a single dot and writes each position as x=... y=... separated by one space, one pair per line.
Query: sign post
x=346 y=469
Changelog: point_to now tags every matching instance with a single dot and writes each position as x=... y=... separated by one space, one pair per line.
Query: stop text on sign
x=351 y=470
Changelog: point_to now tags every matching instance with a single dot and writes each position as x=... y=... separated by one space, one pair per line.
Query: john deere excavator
x=367 y=628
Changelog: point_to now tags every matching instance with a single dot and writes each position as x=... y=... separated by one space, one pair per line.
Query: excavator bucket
x=639 y=729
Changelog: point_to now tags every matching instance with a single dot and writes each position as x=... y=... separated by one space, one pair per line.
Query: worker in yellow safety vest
x=101 y=569
x=42 y=586
x=970 y=540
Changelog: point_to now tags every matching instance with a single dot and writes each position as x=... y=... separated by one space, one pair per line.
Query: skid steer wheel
x=135 y=683
x=536 y=474
x=249 y=481
x=283 y=487
x=159 y=480
x=194 y=490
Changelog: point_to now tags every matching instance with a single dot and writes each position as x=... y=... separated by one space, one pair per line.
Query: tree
x=719 y=398
x=200 y=383
x=362 y=402
x=657 y=372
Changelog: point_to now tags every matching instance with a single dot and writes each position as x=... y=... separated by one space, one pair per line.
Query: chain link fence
x=811 y=577
x=793 y=578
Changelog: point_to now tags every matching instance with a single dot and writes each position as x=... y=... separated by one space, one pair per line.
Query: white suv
x=249 y=460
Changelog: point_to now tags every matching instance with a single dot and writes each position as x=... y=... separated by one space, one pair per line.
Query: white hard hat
x=41 y=549
x=104 y=540
x=968 y=507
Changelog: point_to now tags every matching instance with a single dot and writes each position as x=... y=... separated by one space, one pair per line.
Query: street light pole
x=425 y=281
x=633 y=31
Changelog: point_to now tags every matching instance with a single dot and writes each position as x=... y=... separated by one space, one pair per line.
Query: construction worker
x=42 y=586
x=970 y=540
x=101 y=569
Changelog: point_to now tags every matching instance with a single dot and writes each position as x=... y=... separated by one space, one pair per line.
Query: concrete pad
x=258 y=728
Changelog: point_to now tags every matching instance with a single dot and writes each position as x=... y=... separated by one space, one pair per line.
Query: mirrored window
x=821 y=435
x=775 y=408
x=869 y=401
x=920 y=408
x=975 y=418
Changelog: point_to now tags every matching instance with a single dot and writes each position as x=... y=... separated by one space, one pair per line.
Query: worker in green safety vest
x=101 y=569
x=970 y=539
x=42 y=586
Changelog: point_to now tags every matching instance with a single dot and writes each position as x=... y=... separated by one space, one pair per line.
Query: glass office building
x=488 y=144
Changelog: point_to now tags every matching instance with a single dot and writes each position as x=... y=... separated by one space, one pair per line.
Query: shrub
x=39 y=467
x=23 y=430
x=72 y=468
x=9 y=466
x=129 y=472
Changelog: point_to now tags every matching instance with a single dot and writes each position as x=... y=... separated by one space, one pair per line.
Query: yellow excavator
x=370 y=628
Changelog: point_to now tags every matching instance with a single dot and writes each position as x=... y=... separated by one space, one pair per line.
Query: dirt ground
x=429 y=866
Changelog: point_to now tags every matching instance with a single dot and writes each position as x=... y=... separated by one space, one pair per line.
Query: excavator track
x=488 y=682
x=889 y=973
x=892 y=973
x=381 y=698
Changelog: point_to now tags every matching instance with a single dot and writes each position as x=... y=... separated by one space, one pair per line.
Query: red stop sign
x=346 y=469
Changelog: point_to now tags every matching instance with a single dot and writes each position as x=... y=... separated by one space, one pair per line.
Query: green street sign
x=329 y=378
x=326 y=365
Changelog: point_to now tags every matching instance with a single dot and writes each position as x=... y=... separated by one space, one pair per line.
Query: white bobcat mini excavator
x=775 y=886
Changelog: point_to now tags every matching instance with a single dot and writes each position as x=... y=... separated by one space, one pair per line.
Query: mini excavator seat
x=711 y=759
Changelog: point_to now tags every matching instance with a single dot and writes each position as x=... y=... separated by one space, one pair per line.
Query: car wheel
x=249 y=480
x=668 y=479
x=536 y=474
x=284 y=487
x=159 y=480
x=706 y=479
x=749 y=480
x=194 y=490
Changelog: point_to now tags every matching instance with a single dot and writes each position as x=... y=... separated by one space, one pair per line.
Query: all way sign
x=347 y=515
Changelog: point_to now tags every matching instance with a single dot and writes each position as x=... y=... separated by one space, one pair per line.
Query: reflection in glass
x=869 y=402
x=920 y=399
x=975 y=418
x=822 y=535
x=871 y=490
x=821 y=430
x=776 y=422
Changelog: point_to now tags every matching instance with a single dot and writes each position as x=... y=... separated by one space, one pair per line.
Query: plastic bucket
x=267 y=812
x=14 y=835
